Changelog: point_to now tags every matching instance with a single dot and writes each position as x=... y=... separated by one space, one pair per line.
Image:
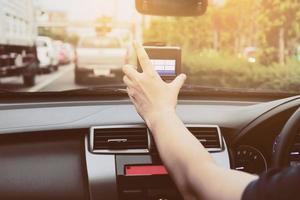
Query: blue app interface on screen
x=164 y=67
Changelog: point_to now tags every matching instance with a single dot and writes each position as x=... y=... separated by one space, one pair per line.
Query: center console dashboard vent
x=208 y=135
x=124 y=139
x=119 y=139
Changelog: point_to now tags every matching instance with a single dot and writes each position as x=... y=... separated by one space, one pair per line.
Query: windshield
x=74 y=44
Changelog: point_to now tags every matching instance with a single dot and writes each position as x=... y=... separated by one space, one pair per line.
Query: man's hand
x=192 y=168
x=149 y=93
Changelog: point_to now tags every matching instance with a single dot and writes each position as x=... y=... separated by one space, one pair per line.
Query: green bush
x=211 y=68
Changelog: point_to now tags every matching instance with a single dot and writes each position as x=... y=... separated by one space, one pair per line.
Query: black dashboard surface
x=46 y=166
x=15 y=118
x=45 y=144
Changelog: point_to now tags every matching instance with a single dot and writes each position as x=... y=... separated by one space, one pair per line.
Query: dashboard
x=103 y=150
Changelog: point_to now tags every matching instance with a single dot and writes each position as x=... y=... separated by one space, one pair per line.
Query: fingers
x=133 y=66
x=179 y=81
x=131 y=72
x=131 y=87
x=133 y=100
x=144 y=59
x=133 y=95
x=128 y=82
x=130 y=93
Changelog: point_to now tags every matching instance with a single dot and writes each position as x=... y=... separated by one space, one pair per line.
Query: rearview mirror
x=171 y=7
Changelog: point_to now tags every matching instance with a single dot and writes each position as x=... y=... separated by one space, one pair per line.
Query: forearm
x=178 y=149
x=190 y=165
x=186 y=159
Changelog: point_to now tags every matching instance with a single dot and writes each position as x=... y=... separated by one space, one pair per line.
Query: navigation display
x=164 y=67
x=165 y=59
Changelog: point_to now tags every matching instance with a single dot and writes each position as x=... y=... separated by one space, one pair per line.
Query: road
x=63 y=79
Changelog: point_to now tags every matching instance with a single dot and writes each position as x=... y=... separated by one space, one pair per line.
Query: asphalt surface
x=62 y=79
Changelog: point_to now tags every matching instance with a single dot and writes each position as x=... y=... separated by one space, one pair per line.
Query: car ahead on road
x=43 y=55
x=46 y=54
x=70 y=52
x=61 y=52
x=99 y=58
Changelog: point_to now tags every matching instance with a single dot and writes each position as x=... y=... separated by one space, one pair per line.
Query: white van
x=48 y=60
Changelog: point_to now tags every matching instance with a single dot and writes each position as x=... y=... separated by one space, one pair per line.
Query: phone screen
x=165 y=60
x=164 y=67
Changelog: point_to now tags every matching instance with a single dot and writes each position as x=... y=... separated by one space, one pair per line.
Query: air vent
x=209 y=136
x=119 y=139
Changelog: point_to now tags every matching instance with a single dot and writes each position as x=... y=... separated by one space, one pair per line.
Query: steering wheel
x=285 y=140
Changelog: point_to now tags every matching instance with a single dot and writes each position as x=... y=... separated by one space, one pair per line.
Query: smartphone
x=166 y=60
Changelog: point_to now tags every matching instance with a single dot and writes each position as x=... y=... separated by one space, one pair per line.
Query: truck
x=99 y=58
x=18 y=32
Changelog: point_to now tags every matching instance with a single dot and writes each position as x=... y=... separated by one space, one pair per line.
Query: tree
x=280 y=21
x=72 y=39
x=273 y=26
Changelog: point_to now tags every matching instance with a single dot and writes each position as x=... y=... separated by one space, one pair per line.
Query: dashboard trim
x=26 y=117
x=101 y=175
x=289 y=104
x=148 y=150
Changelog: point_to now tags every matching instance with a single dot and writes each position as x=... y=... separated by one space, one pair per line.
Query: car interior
x=90 y=143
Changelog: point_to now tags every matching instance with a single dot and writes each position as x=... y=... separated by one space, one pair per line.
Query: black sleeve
x=275 y=185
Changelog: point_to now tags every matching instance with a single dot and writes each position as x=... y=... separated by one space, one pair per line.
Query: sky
x=122 y=10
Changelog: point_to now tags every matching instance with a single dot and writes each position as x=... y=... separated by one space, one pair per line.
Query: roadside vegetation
x=213 y=45
x=211 y=68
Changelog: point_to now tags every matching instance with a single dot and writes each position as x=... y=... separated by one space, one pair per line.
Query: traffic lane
x=42 y=80
x=65 y=80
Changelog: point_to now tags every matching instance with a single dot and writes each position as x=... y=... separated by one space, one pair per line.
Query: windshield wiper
x=200 y=88
x=186 y=90
x=111 y=90
x=104 y=90
x=118 y=90
x=5 y=91
x=219 y=91
x=121 y=88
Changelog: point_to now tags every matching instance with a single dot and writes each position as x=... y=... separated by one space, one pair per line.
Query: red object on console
x=145 y=170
